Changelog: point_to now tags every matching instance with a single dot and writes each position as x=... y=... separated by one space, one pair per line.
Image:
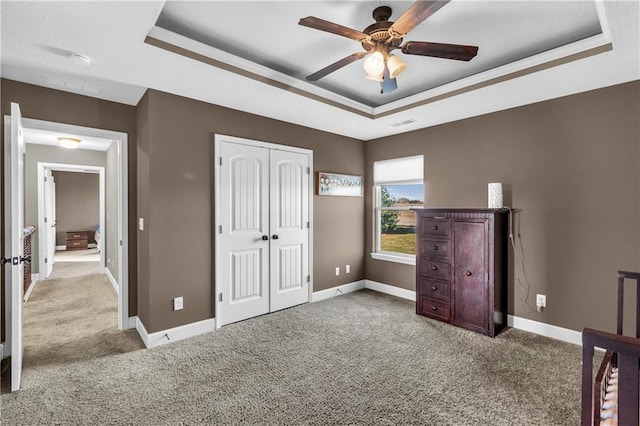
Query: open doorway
x=101 y=153
x=71 y=214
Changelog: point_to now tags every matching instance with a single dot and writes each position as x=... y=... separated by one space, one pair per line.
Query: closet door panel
x=244 y=256
x=289 y=217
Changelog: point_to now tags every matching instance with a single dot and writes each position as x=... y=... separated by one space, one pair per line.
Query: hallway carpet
x=360 y=358
x=72 y=316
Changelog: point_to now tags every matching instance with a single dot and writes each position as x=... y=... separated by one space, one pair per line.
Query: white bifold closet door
x=264 y=239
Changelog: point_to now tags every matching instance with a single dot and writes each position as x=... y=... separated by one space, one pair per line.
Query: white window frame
x=378 y=254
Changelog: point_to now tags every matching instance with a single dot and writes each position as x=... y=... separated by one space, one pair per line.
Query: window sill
x=407 y=260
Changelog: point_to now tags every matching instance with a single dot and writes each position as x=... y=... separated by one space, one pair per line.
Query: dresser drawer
x=434 y=308
x=434 y=289
x=434 y=268
x=432 y=226
x=77 y=244
x=76 y=235
x=434 y=248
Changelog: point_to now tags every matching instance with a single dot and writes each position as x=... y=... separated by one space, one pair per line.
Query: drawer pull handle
x=468 y=273
x=434 y=248
x=434 y=227
x=435 y=308
x=434 y=288
x=434 y=267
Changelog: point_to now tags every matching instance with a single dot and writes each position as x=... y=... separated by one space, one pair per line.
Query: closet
x=263 y=221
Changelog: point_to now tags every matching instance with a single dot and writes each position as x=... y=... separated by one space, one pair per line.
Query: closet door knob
x=274 y=236
x=265 y=237
x=468 y=273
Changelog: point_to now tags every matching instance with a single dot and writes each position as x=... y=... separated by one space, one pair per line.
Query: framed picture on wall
x=340 y=185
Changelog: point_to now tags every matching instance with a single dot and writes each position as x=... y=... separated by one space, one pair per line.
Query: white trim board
x=174 y=334
x=390 y=289
x=27 y=294
x=113 y=281
x=338 y=290
x=547 y=330
x=536 y=327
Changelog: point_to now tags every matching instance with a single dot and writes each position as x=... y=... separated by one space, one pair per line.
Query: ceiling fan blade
x=336 y=66
x=412 y=17
x=322 y=25
x=440 y=50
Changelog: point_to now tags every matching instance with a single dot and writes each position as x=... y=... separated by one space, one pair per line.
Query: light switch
x=141 y=223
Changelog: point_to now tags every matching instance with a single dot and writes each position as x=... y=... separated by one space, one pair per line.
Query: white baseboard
x=27 y=294
x=390 y=289
x=547 y=330
x=336 y=291
x=92 y=245
x=174 y=334
x=61 y=247
x=114 y=283
x=132 y=323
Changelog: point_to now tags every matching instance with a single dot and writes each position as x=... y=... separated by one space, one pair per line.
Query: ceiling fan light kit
x=382 y=37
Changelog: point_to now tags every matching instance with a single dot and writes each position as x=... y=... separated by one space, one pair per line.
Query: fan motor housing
x=379 y=31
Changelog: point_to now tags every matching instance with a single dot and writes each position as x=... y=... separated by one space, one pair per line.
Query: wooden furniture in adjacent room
x=613 y=398
x=461 y=267
x=27 y=232
x=77 y=240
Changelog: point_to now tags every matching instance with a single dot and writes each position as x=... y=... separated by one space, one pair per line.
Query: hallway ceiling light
x=71 y=143
x=77 y=58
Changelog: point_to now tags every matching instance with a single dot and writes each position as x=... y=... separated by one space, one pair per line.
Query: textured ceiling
x=37 y=36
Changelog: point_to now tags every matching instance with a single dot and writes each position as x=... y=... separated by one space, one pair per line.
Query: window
x=398 y=188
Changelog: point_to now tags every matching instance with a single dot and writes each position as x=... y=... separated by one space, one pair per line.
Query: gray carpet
x=361 y=358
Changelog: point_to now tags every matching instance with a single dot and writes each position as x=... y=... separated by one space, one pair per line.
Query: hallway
x=72 y=316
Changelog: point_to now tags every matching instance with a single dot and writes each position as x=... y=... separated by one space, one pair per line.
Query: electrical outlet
x=347 y=269
x=337 y=271
x=177 y=303
x=541 y=301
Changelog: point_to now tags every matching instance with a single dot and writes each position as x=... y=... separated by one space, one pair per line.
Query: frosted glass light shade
x=70 y=143
x=495 y=195
x=374 y=63
x=395 y=65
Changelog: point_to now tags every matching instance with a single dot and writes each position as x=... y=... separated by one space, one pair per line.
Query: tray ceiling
x=268 y=34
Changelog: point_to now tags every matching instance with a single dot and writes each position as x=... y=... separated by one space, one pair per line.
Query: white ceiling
x=264 y=39
x=50 y=138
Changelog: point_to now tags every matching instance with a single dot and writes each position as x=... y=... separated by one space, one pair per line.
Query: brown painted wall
x=77 y=204
x=57 y=106
x=175 y=174
x=570 y=169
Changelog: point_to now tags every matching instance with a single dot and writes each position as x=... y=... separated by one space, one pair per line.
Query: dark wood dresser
x=461 y=267
x=77 y=240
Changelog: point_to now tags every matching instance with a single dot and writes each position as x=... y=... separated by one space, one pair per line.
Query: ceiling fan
x=382 y=37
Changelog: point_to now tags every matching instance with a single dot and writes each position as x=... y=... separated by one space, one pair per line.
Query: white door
x=49 y=233
x=289 y=218
x=244 y=238
x=264 y=236
x=14 y=240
